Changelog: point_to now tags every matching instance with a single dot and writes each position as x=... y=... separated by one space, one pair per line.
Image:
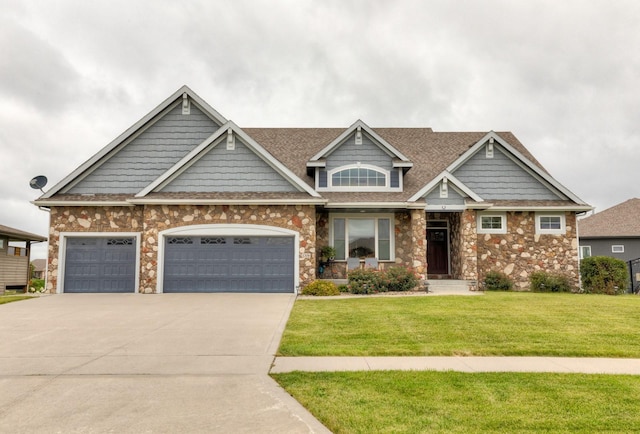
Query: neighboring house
x=613 y=232
x=187 y=201
x=15 y=250
x=39 y=268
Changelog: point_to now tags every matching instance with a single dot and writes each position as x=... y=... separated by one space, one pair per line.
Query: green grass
x=452 y=402
x=9 y=298
x=506 y=324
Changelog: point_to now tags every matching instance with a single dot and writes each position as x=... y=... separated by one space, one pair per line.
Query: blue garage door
x=229 y=264
x=100 y=264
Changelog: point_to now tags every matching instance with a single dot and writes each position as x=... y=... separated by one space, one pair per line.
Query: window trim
x=582 y=254
x=362 y=216
x=386 y=173
x=503 y=219
x=563 y=224
x=621 y=248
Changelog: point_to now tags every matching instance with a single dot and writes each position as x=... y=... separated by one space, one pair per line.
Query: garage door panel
x=96 y=264
x=229 y=264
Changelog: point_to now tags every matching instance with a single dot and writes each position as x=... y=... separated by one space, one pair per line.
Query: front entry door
x=437 y=251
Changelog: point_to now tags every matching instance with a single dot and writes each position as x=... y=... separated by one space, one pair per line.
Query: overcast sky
x=563 y=76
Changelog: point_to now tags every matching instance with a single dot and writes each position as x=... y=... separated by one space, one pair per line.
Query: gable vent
x=444 y=189
x=186 y=104
x=231 y=141
x=359 y=136
x=489 y=149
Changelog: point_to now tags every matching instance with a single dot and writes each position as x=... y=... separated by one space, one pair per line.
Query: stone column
x=419 y=242
x=469 y=243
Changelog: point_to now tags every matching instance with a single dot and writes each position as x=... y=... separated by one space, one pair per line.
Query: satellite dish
x=38 y=182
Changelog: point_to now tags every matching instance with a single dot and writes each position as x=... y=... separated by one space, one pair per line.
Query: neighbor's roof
x=622 y=220
x=18 y=235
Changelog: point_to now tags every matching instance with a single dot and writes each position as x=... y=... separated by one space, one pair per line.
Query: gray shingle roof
x=622 y=220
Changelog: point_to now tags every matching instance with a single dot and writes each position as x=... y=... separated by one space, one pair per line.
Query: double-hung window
x=368 y=236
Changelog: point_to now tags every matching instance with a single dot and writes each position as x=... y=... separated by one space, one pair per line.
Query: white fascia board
x=528 y=163
x=274 y=163
x=436 y=181
x=184 y=162
x=318 y=163
x=369 y=205
x=170 y=101
x=346 y=133
x=53 y=202
x=159 y=201
x=576 y=208
x=445 y=208
x=212 y=141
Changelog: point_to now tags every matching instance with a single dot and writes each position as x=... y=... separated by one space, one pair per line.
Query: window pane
x=358 y=177
x=361 y=238
x=384 y=239
x=491 y=222
x=550 y=222
x=339 y=238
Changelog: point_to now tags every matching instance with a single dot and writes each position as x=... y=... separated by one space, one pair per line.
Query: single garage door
x=228 y=264
x=100 y=264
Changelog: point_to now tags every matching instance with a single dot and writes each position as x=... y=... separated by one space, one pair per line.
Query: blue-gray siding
x=454 y=198
x=150 y=154
x=367 y=153
x=502 y=179
x=602 y=247
x=223 y=170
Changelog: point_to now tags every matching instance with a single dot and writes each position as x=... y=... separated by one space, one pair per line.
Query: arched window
x=359 y=176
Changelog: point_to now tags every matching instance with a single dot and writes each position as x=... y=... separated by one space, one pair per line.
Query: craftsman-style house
x=187 y=201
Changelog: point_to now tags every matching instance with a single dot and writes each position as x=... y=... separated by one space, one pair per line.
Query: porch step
x=451 y=286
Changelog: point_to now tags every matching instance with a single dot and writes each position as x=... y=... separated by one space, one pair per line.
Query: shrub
x=321 y=287
x=604 y=275
x=400 y=279
x=363 y=281
x=343 y=288
x=542 y=281
x=36 y=285
x=497 y=281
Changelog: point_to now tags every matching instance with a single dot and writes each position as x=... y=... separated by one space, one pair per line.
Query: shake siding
x=433 y=198
x=367 y=153
x=501 y=179
x=222 y=170
x=149 y=155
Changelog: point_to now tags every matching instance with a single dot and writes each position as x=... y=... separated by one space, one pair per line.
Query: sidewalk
x=461 y=364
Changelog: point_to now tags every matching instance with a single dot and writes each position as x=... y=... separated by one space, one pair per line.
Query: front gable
x=145 y=150
x=358 y=160
x=229 y=161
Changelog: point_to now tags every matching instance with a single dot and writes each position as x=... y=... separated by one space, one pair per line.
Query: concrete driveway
x=145 y=363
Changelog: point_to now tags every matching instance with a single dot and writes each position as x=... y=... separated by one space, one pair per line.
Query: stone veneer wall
x=521 y=251
x=108 y=219
x=152 y=219
x=469 y=245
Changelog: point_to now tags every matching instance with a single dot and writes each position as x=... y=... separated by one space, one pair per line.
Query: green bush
x=365 y=281
x=497 y=281
x=604 y=275
x=343 y=288
x=400 y=279
x=37 y=285
x=321 y=287
x=542 y=281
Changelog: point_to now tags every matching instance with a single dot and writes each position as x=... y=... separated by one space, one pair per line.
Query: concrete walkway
x=462 y=364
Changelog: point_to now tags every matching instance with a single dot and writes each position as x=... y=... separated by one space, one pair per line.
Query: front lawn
x=506 y=324
x=455 y=402
x=9 y=298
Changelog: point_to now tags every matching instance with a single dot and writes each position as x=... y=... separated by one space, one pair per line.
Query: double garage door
x=191 y=264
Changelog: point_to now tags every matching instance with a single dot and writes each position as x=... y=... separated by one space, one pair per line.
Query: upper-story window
x=359 y=178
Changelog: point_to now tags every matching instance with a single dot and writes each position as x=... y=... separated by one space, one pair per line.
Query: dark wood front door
x=437 y=251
